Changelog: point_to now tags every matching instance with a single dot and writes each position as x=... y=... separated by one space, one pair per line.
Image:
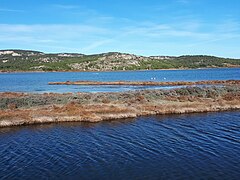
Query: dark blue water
x=38 y=82
x=197 y=146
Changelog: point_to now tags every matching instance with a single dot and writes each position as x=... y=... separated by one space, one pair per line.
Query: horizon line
x=116 y=52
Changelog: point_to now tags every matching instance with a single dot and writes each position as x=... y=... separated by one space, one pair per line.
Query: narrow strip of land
x=148 y=83
x=26 y=108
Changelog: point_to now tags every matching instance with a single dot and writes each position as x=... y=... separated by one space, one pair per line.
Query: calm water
x=197 y=146
x=38 y=82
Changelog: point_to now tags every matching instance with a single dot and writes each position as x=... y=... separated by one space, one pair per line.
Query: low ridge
x=26 y=60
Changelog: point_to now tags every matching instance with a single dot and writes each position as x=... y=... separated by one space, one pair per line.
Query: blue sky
x=144 y=27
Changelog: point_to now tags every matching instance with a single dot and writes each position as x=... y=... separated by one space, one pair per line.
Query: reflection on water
x=196 y=146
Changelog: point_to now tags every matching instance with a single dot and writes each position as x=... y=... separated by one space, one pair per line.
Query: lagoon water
x=190 y=146
x=38 y=82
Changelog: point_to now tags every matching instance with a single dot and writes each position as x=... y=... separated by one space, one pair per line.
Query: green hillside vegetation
x=22 y=60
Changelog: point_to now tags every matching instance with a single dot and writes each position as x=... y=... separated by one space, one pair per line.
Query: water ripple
x=154 y=147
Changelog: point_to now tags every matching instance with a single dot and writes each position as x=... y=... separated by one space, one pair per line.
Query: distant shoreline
x=172 y=69
x=35 y=61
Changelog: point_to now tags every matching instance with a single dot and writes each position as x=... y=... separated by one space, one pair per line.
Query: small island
x=29 y=108
x=148 y=83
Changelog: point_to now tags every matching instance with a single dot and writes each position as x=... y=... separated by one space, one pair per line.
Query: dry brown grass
x=104 y=106
x=147 y=83
x=15 y=114
x=231 y=96
x=12 y=94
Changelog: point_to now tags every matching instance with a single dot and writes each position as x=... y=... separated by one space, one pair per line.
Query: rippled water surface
x=38 y=82
x=196 y=146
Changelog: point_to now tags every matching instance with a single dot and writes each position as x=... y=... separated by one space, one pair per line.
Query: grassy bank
x=22 y=109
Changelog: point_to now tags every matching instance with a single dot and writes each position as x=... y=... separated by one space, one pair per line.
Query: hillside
x=24 y=60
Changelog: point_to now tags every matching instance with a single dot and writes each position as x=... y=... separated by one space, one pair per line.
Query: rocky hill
x=25 y=60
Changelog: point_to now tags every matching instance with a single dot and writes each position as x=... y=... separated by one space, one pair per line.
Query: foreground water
x=196 y=146
x=38 y=82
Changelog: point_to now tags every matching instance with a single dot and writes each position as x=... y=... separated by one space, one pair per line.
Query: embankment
x=23 y=108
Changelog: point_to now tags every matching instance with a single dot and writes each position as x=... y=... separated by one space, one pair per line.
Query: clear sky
x=144 y=27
